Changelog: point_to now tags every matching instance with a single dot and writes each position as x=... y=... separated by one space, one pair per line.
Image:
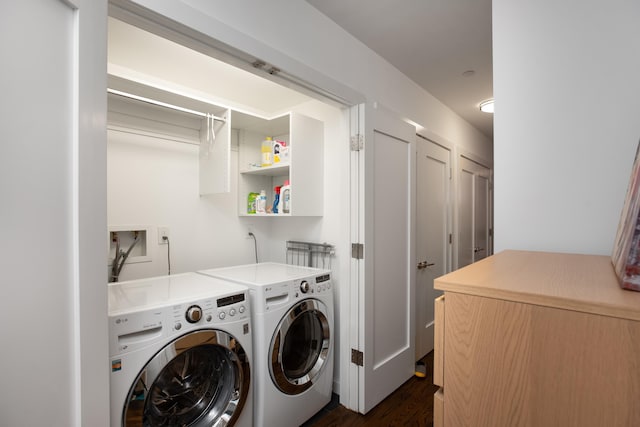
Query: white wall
x=154 y=182
x=37 y=207
x=567 y=121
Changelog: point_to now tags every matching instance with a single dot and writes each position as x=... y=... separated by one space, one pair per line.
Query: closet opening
x=186 y=122
x=182 y=177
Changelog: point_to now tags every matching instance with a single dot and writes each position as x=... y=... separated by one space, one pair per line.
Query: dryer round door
x=300 y=347
x=199 y=379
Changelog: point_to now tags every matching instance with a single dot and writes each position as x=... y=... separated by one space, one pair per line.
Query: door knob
x=425 y=264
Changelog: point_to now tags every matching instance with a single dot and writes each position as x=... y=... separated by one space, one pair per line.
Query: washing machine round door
x=300 y=347
x=199 y=379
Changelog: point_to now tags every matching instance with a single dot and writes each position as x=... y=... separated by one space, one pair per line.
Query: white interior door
x=481 y=216
x=386 y=332
x=474 y=212
x=433 y=247
x=465 y=216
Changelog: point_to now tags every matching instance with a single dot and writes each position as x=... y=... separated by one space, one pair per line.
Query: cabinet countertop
x=585 y=283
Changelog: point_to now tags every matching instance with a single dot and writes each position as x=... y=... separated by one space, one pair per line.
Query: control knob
x=193 y=314
x=304 y=286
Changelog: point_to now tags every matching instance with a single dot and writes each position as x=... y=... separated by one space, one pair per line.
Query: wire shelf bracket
x=307 y=254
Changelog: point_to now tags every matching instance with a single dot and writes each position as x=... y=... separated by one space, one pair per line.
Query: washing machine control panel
x=312 y=286
x=209 y=311
x=193 y=314
x=233 y=307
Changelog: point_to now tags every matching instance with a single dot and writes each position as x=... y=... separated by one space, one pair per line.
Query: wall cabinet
x=536 y=339
x=304 y=168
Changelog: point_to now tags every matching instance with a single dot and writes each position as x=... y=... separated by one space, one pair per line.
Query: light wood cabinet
x=537 y=339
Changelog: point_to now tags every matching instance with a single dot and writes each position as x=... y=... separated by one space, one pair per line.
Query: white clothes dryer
x=292 y=309
x=181 y=350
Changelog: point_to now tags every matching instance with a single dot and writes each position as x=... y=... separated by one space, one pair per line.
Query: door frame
x=236 y=48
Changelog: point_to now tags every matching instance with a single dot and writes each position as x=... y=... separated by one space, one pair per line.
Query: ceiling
x=137 y=55
x=442 y=45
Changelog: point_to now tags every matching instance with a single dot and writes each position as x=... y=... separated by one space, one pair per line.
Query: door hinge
x=357 y=142
x=357 y=357
x=357 y=250
x=450 y=238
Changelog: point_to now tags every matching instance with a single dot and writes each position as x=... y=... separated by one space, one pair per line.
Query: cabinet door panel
x=511 y=364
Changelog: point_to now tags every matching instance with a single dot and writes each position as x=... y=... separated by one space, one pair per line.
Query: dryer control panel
x=315 y=285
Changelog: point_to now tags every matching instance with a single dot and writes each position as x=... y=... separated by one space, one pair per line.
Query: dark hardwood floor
x=409 y=405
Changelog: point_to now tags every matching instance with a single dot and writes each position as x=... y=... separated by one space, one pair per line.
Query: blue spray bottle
x=276 y=200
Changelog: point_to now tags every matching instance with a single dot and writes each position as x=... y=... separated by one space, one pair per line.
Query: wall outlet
x=249 y=230
x=162 y=233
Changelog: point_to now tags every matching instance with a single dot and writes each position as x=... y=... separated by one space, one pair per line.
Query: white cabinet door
x=433 y=247
x=387 y=273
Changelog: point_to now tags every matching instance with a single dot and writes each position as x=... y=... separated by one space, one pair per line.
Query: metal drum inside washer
x=181 y=352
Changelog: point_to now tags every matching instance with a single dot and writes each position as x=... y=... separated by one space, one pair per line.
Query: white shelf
x=304 y=170
x=275 y=170
x=269 y=215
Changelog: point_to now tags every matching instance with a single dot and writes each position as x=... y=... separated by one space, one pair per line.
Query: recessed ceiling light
x=487 y=106
x=468 y=73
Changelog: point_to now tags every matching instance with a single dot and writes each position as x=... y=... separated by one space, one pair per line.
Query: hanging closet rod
x=164 y=104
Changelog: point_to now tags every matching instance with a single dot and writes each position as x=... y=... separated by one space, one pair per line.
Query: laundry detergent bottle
x=276 y=200
x=261 y=204
x=285 y=198
x=267 y=152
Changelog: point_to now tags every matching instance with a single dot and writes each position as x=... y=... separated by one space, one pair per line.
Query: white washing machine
x=292 y=309
x=181 y=351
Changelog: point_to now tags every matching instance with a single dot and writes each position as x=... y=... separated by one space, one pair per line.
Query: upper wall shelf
x=304 y=170
x=276 y=170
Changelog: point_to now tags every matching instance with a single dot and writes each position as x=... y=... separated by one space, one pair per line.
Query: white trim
x=75 y=212
x=475 y=158
x=91 y=394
